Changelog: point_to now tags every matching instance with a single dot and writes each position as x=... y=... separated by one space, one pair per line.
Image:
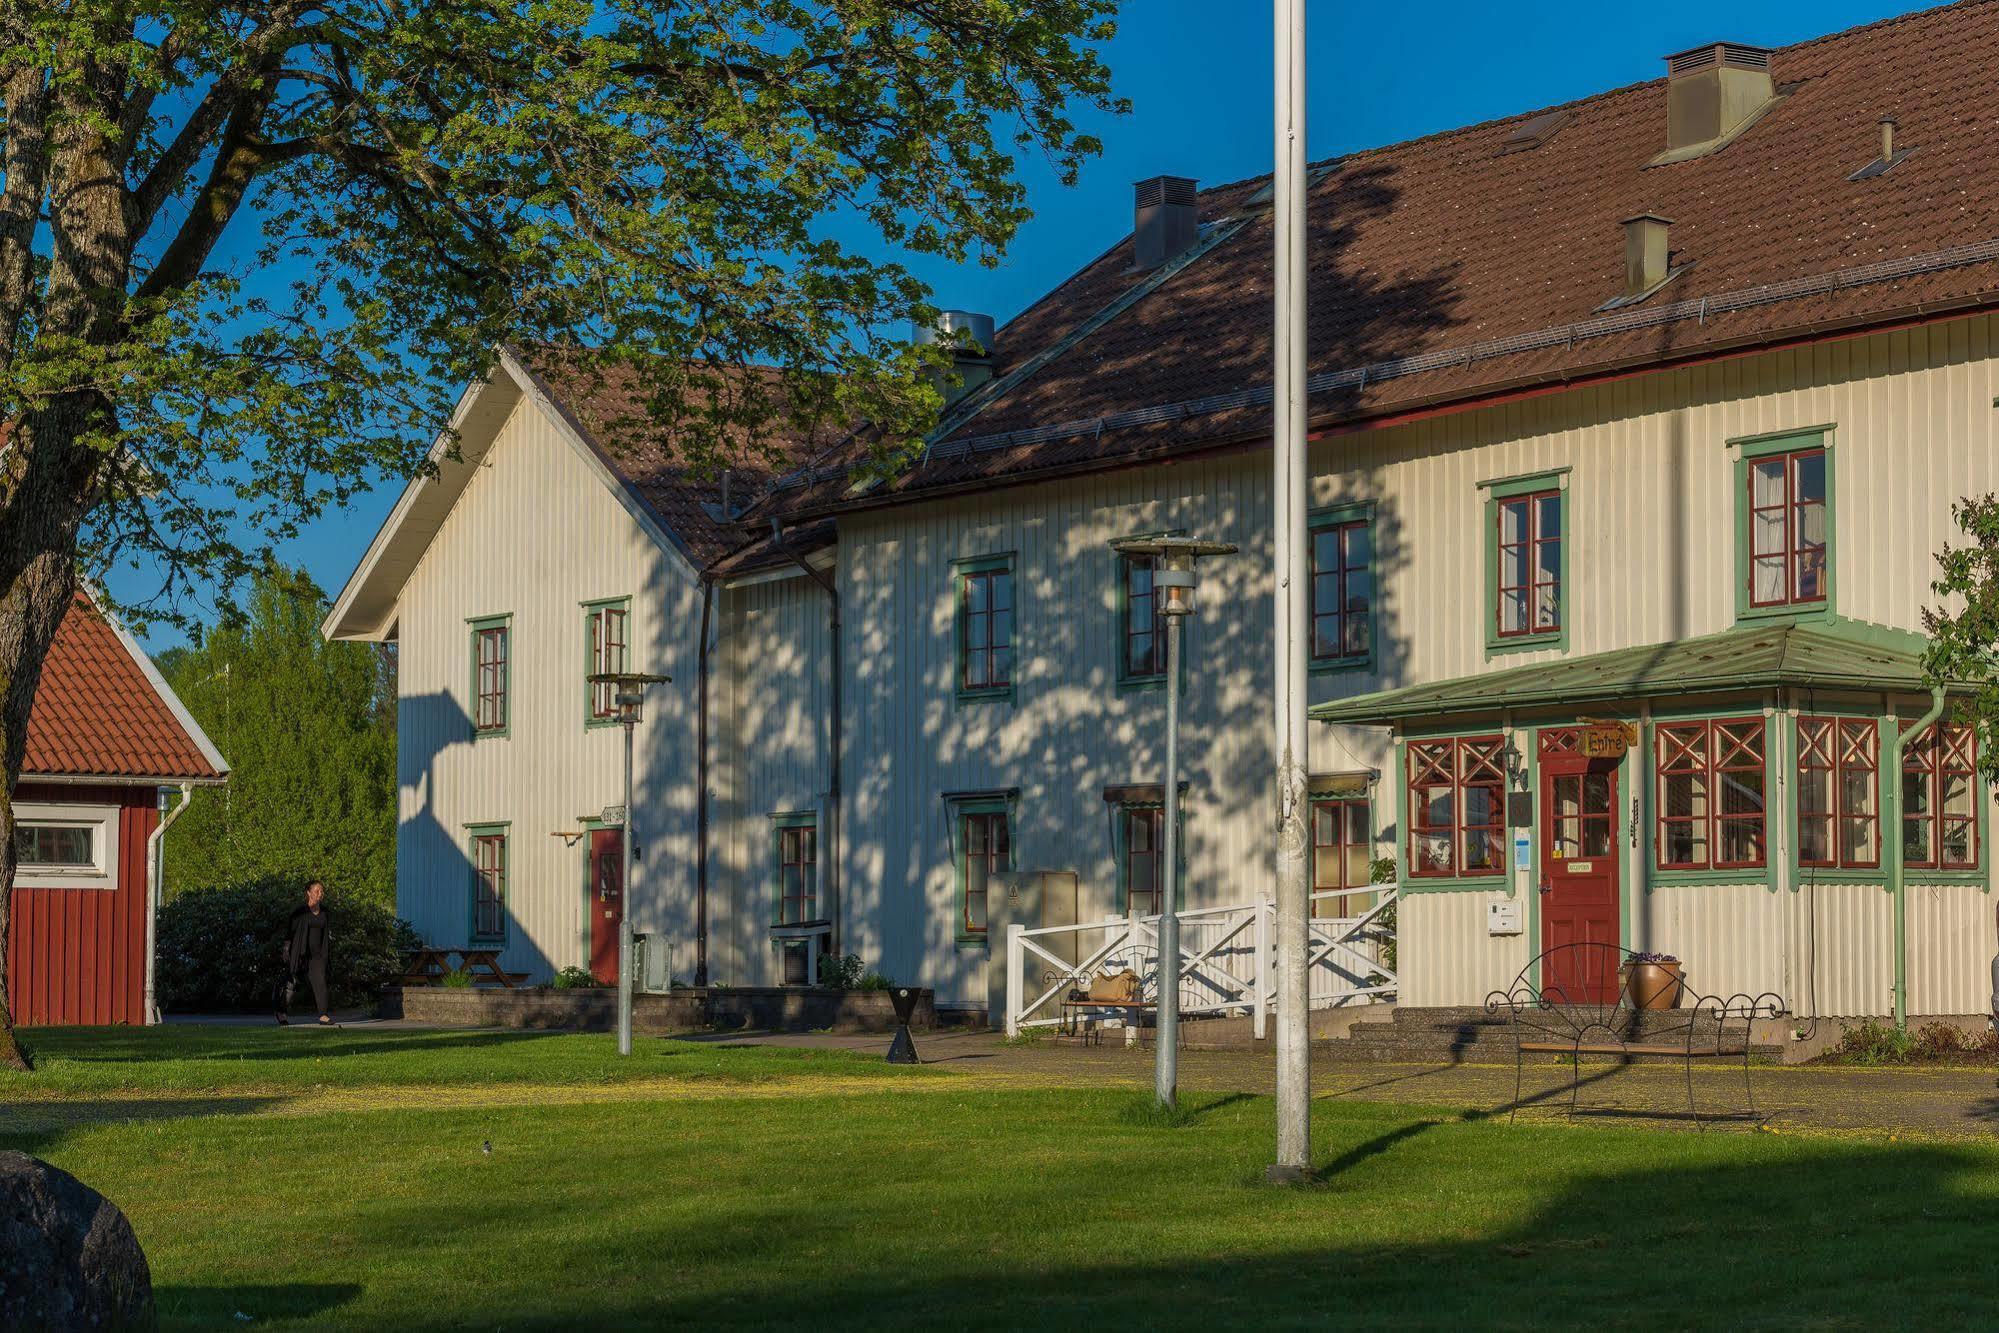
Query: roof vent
x=1891 y=156
x=970 y=337
x=1713 y=93
x=1532 y=133
x=1166 y=222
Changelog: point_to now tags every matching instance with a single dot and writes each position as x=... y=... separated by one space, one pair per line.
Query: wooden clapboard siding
x=79 y=955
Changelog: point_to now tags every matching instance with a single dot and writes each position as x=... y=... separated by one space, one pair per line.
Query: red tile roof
x=1445 y=243
x=99 y=714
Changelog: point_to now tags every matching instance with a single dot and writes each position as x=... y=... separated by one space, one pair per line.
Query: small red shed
x=107 y=741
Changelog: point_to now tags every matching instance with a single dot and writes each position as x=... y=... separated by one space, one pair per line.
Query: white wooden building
x=1650 y=408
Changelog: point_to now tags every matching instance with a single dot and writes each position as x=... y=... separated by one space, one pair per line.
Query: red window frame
x=607 y=654
x=988 y=849
x=1932 y=766
x=1463 y=764
x=1532 y=541
x=489 y=859
x=1334 y=614
x=797 y=874
x=1142 y=607
x=985 y=641
x=1340 y=825
x=1791 y=512
x=490 y=707
x=1711 y=750
x=1840 y=747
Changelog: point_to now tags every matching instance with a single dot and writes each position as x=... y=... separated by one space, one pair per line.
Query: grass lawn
x=929 y=1201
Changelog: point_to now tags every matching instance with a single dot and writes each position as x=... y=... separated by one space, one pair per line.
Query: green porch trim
x=789 y=819
x=473 y=832
x=1762 y=446
x=590 y=610
x=1496 y=645
x=475 y=626
x=982 y=564
x=1337 y=515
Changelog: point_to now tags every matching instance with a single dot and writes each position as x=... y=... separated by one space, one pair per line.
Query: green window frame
x=607 y=646
x=986 y=602
x=1452 y=797
x=1929 y=806
x=1153 y=676
x=982 y=844
x=1516 y=512
x=1757 y=544
x=492 y=675
x=1342 y=832
x=486 y=910
x=1839 y=823
x=1130 y=852
x=1344 y=559
x=794 y=854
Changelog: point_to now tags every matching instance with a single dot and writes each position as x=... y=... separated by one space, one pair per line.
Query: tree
x=249 y=248
x=312 y=784
x=1964 y=632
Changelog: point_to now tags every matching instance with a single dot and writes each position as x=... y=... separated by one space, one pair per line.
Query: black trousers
x=315 y=972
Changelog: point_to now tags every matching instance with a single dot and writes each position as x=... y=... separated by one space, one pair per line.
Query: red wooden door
x=1579 y=879
x=607 y=901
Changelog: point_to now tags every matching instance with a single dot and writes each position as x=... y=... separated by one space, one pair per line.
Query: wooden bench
x=429 y=965
x=1075 y=1016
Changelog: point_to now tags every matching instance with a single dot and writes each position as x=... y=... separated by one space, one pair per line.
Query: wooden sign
x=1605 y=740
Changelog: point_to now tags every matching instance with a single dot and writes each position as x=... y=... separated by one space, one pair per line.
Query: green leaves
x=1964 y=632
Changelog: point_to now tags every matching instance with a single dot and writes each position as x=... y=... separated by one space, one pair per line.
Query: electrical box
x=1031 y=898
x=1502 y=916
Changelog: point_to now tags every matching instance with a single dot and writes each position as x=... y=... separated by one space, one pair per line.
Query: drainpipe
x=155 y=881
x=701 y=790
x=1893 y=766
x=833 y=807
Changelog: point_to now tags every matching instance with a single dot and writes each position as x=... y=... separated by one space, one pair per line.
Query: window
x=1529 y=537
x=1457 y=806
x=985 y=848
x=1143 y=828
x=1789 y=526
x=1342 y=854
x=1838 y=787
x=489 y=676
x=605 y=625
x=1342 y=588
x=1142 y=652
x=60 y=846
x=489 y=883
x=985 y=628
x=797 y=869
x=1711 y=789
x=1940 y=799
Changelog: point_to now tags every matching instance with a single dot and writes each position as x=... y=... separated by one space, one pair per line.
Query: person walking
x=308 y=936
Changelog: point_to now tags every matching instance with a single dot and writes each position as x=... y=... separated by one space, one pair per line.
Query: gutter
x=701 y=793
x=1897 y=889
x=155 y=882
x=833 y=733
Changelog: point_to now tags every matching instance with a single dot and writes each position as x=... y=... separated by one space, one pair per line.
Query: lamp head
x=628 y=691
x=1173 y=569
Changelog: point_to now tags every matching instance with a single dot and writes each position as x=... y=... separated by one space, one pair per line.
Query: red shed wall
x=79 y=955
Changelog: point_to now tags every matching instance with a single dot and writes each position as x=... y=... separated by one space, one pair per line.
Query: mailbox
x=1502 y=916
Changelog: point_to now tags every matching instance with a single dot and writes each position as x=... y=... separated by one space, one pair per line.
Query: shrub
x=874 y=981
x=222 y=949
x=1875 y=1043
x=457 y=979
x=575 y=978
x=840 y=971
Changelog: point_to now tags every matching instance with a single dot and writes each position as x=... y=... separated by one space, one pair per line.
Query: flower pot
x=1653 y=985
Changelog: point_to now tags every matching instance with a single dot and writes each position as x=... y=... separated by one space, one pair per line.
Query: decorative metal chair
x=1578 y=1000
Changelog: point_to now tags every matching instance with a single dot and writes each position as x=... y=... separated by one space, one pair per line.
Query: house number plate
x=1582 y=867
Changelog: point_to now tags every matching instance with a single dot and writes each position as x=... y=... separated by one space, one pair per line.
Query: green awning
x=1825 y=654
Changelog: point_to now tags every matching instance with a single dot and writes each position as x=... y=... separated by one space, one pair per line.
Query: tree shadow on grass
x=142 y=1046
x=33 y=1126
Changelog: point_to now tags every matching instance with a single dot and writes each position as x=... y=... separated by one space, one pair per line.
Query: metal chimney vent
x=1713 y=94
x=1734 y=54
x=1166 y=219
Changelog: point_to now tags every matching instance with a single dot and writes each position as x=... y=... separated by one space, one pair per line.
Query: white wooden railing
x=1226 y=961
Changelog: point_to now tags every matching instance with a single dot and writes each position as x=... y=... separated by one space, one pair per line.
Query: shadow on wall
x=435 y=873
x=1073 y=726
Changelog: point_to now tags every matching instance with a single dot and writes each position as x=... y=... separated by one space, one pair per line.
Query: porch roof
x=1828 y=654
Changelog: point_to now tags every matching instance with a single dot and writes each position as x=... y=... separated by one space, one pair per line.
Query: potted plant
x=1652 y=980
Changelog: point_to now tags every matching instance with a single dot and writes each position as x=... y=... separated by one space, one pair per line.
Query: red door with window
x=1578 y=876
x=607 y=901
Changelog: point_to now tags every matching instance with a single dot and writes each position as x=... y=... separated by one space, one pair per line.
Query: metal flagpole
x=1289 y=484
x=625 y=903
x=1167 y=1067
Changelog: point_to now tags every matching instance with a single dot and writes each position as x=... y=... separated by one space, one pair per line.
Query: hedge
x=221 y=949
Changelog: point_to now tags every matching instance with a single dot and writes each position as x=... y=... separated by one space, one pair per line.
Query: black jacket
x=307 y=937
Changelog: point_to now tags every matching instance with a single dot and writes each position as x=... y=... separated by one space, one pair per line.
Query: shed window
x=489 y=885
x=68 y=846
x=1711 y=794
x=1342 y=854
x=1529 y=537
x=1788 y=529
x=1940 y=799
x=610 y=649
x=1457 y=806
x=1342 y=590
x=1838 y=790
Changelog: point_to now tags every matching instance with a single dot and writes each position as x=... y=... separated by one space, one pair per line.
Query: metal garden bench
x=1604 y=1001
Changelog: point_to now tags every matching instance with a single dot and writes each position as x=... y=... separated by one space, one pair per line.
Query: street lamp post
x=1173 y=588
x=629 y=695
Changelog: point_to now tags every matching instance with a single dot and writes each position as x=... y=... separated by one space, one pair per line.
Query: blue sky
x=1198 y=77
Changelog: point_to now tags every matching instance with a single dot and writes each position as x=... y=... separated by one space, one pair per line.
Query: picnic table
x=429 y=965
